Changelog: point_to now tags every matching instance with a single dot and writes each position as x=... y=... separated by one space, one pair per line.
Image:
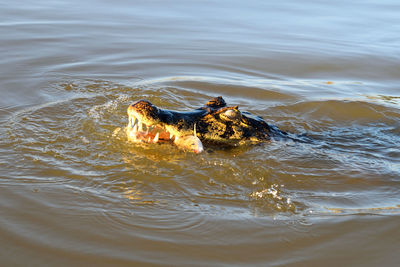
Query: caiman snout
x=145 y=110
x=149 y=124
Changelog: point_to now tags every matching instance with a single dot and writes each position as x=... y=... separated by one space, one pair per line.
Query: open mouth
x=140 y=132
x=143 y=128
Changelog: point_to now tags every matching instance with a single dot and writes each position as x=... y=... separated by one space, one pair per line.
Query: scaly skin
x=214 y=123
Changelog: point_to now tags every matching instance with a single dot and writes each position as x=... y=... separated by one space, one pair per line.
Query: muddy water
x=74 y=191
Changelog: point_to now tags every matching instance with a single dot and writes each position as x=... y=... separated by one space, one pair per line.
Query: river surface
x=75 y=192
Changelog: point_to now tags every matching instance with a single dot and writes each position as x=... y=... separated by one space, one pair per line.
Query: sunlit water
x=73 y=190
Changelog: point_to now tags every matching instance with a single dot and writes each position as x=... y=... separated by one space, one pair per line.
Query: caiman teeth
x=141 y=132
x=156 y=138
x=133 y=123
x=135 y=128
x=140 y=126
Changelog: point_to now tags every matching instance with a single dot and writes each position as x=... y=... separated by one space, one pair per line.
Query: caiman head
x=215 y=123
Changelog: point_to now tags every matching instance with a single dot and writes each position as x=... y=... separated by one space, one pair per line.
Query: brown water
x=74 y=192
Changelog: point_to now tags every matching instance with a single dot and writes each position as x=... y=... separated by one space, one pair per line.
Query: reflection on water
x=78 y=139
x=349 y=167
x=75 y=191
x=395 y=100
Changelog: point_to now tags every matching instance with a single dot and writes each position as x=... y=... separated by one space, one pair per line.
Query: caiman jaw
x=140 y=132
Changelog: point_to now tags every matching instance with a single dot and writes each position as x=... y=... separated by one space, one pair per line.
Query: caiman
x=215 y=123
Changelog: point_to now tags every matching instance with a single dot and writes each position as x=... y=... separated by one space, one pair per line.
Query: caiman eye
x=232 y=114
